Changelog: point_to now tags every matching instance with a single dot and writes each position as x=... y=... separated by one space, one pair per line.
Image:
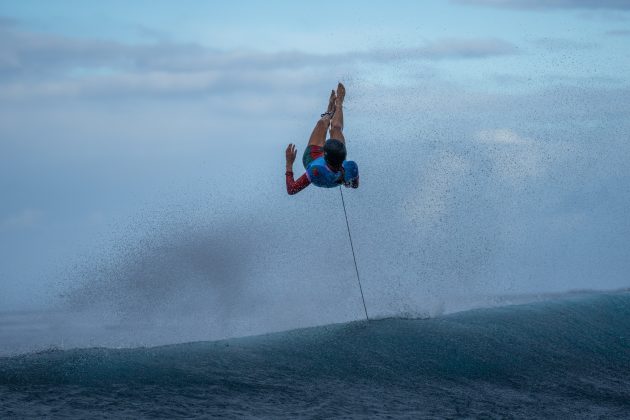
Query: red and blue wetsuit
x=319 y=173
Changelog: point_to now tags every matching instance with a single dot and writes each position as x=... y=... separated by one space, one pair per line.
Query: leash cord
x=353 y=255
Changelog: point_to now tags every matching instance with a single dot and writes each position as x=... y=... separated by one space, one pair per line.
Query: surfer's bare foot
x=341 y=94
x=336 y=124
x=331 y=106
x=331 y=102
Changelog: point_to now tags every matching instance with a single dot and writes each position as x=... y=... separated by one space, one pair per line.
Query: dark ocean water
x=567 y=358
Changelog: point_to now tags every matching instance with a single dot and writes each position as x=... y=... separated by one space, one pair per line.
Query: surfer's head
x=334 y=152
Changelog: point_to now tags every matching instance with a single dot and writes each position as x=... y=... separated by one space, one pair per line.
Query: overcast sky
x=491 y=136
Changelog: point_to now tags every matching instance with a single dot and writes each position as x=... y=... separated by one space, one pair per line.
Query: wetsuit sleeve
x=294 y=187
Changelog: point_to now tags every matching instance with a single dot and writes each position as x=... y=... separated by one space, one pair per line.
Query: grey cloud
x=619 y=32
x=30 y=53
x=555 y=79
x=24 y=53
x=151 y=33
x=140 y=84
x=7 y=22
x=553 y=44
x=551 y=4
x=447 y=49
x=507 y=79
x=33 y=64
x=25 y=219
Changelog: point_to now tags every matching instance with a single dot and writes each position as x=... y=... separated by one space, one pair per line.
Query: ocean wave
x=585 y=336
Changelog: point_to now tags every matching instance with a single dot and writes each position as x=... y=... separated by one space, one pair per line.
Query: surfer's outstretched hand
x=290 y=153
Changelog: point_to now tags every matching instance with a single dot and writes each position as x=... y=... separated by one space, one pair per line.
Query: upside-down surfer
x=325 y=160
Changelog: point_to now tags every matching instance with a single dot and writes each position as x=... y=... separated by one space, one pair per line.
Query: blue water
x=567 y=358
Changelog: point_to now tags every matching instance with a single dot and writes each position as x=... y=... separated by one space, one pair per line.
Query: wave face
x=566 y=358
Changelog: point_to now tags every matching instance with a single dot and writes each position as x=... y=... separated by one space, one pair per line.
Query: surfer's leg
x=336 y=124
x=315 y=146
x=318 y=136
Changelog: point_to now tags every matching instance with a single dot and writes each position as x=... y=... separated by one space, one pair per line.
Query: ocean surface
x=564 y=358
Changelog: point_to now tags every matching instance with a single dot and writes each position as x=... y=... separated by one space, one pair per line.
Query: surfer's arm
x=295 y=186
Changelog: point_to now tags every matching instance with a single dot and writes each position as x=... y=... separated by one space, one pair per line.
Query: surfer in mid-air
x=325 y=160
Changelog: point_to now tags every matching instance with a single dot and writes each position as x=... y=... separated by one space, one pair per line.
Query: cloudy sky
x=491 y=135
